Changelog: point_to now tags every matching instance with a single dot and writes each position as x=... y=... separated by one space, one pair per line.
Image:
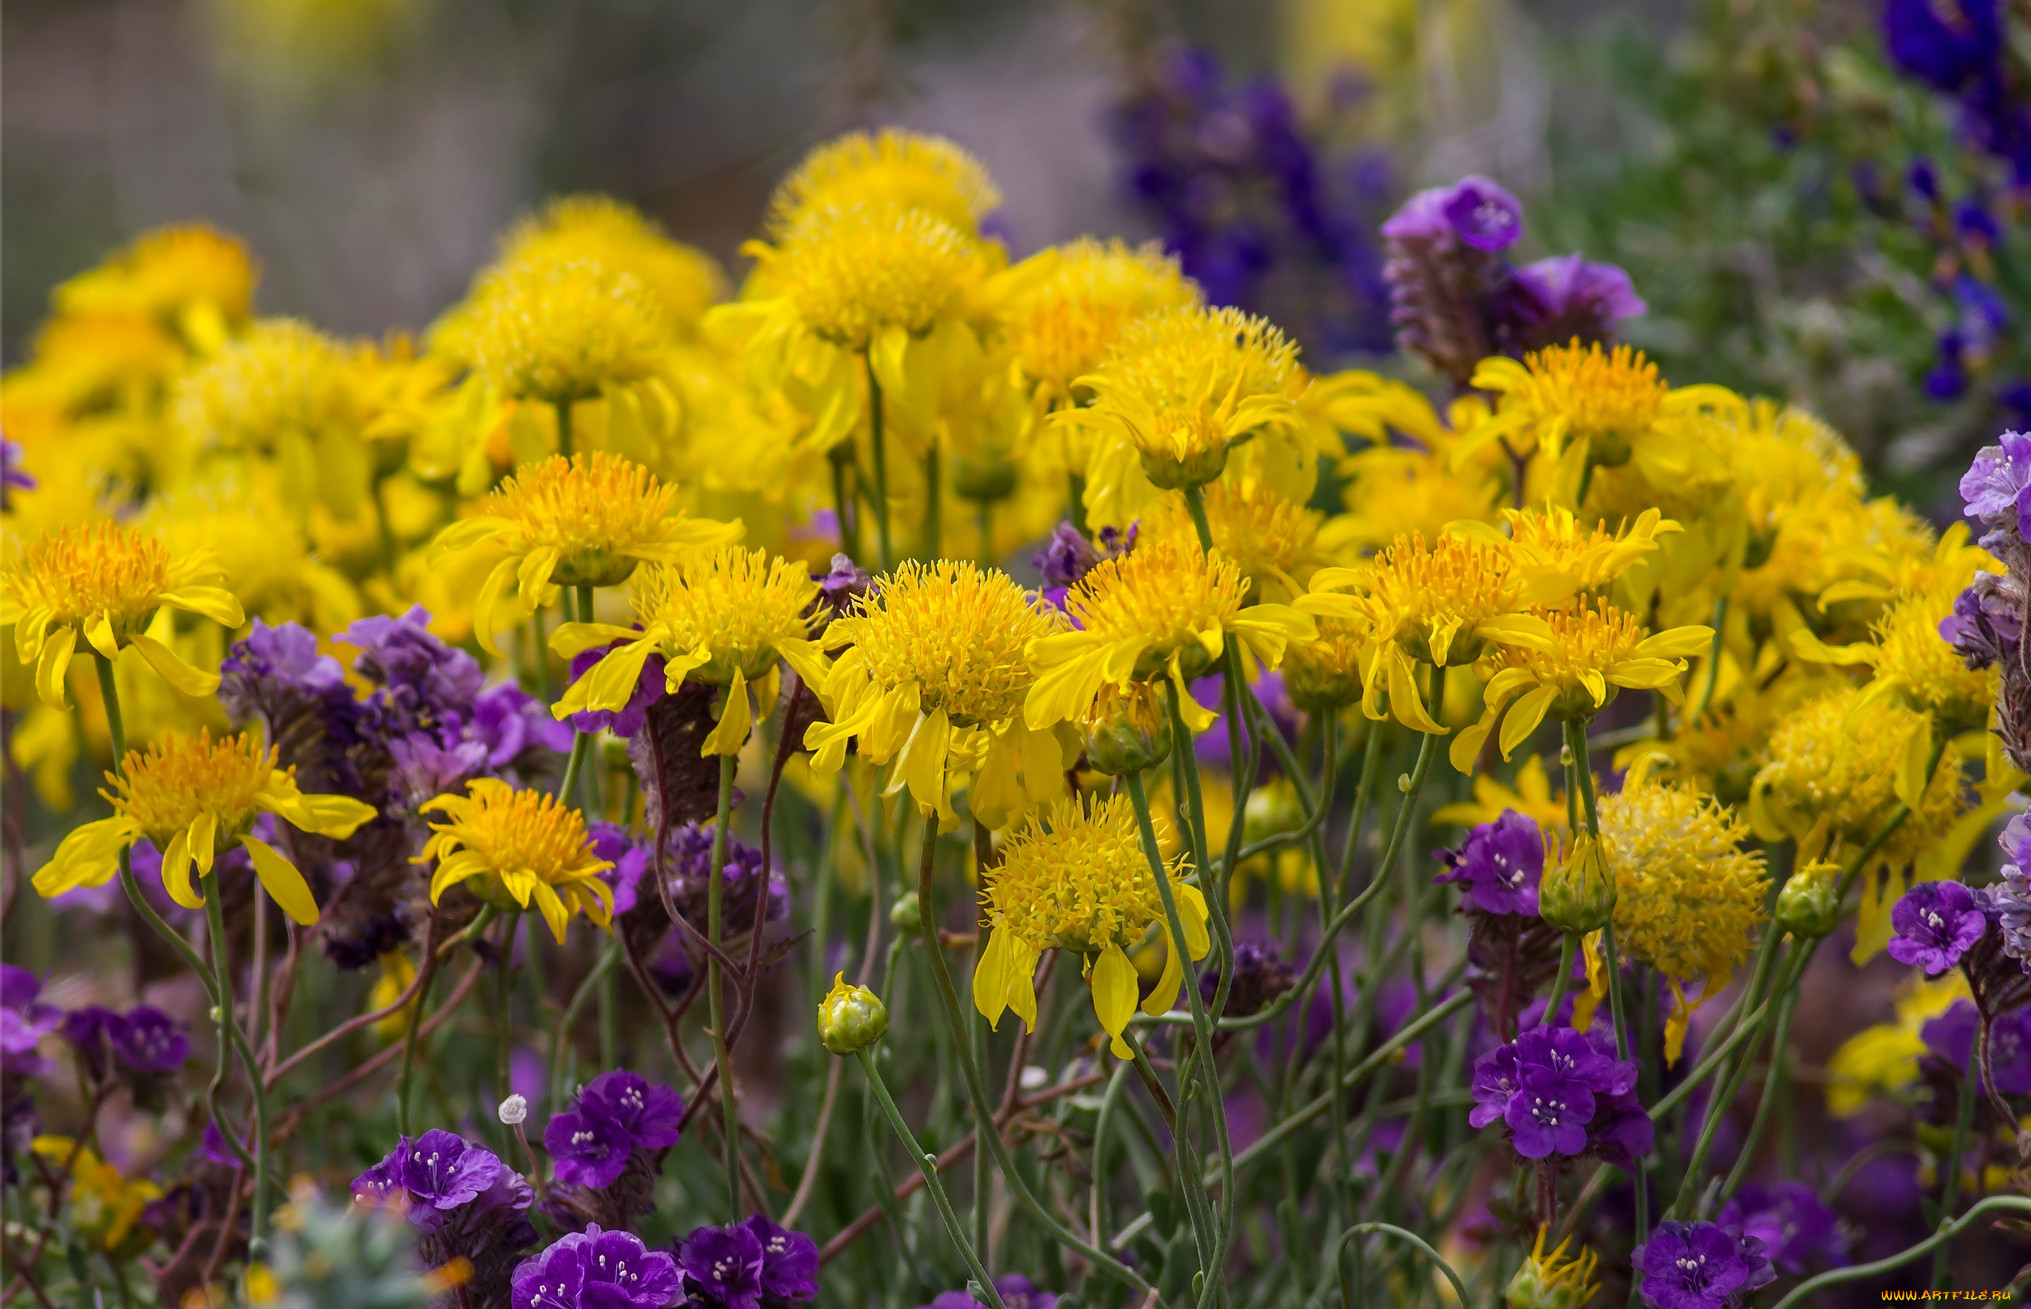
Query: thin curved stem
x=1390 y=1229
x=1811 y=1286
x=715 y=987
x=230 y=1038
x=878 y=440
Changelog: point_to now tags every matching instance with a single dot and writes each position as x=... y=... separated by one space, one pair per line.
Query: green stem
x=927 y=1164
x=842 y=506
x=976 y=1093
x=402 y=1079
x=1075 y=501
x=593 y=983
x=563 y=408
x=715 y=987
x=878 y=439
x=231 y=1038
x=1720 y=622
x=1564 y=979
x=933 y=509
x=1805 y=1291
x=1949 y=1187
x=1438 y=1260
x=1725 y=1097
x=504 y=1015
x=1097 y=1218
x=1772 y=1082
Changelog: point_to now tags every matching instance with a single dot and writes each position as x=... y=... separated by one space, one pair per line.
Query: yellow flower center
x=1178 y=382
x=1163 y=593
x=589 y=509
x=525 y=832
x=1453 y=585
x=1589 y=638
x=1270 y=539
x=1076 y=879
x=1930 y=675
x=955 y=631
x=853 y=270
x=1609 y=396
x=1063 y=327
x=79 y=572
x=558 y=326
x=685 y=281
x=734 y=604
x=1688 y=897
x=892 y=169
x=183 y=778
x=283 y=380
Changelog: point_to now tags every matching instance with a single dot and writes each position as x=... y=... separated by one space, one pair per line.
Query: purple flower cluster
x=1798 y=1231
x=1015 y=1290
x=1702 y=1266
x=1069 y=555
x=687 y=864
x=1962 y=50
x=1950 y=1038
x=597 y=1269
x=752 y=1264
x=1254 y=211
x=2012 y=896
x=1561 y=1092
x=143 y=1041
x=24 y=1021
x=621 y=1112
x=1455 y=299
x=1261 y=974
x=462 y=1200
x=1498 y=866
x=1934 y=924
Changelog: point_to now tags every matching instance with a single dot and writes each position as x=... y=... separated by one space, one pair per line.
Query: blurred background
x=1807 y=211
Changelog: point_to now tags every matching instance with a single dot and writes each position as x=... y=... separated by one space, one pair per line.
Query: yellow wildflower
x=513 y=848
x=106 y=584
x=1531 y=796
x=932 y=677
x=263 y=558
x=282 y=389
x=560 y=326
x=1553 y=1281
x=584 y=521
x=1324 y=675
x=1161 y=610
x=105 y=1205
x=1077 y=879
x=194 y=798
x=893 y=169
x=1552 y=540
x=684 y=280
x=722 y=615
x=195 y=279
x=1272 y=539
x=1062 y=326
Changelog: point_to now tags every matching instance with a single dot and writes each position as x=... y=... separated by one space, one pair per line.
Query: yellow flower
x=683 y=279
x=283 y=389
x=105 y=1206
x=194 y=798
x=1594 y=650
x=584 y=521
x=1913 y=664
x=398 y=971
x=1161 y=610
x=560 y=325
x=106 y=583
x=1884 y=1058
x=511 y=848
x=1688 y=897
x=263 y=558
x=893 y=169
x=1392 y=491
x=1442 y=604
x=1552 y=1281
x=1062 y=326
x=932 y=676
x=1531 y=796
x=1324 y=675
x=1077 y=879
x=1552 y=540
x=721 y=615
x=1181 y=387
x=194 y=279
x=857 y=272
x=1272 y=539
x=1584 y=405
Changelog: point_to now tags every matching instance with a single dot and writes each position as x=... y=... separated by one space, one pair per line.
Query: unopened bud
x=851 y=1018
x=1552 y=1281
x=1127 y=730
x=1810 y=904
x=514 y=1110
x=904 y=913
x=1577 y=894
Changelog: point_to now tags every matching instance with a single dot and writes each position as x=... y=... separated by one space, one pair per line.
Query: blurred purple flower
x=1498 y=866
x=597 y=1269
x=1933 y=924
x=1798 y=1231
x=1701 y=1266
x=1951 y=1037
x=12 y=476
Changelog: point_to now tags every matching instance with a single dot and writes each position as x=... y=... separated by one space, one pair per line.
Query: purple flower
x=2012 y=896
x=1796 y=1228
x=1946 y=45
x=789 y=1262
x=1986 y=625
x=147 y=1040
x=89 y=1030
x=1498 y=866
x=1951 y=1037
x=1015 y=1290
x=1474 y=209
x=597 y=1269
x=620 y=1112
x=1560 y=1092
x=508 y=720
x=610 y=842
x=687 y=862
x=440 y=1172
x=1066 y=557
x=1557 y=299
x=12 y=476
x=721 y=1267
x=24 y=1021
x=1701 y=1266
x=1933 y=924
x=1261 y=974
x=1997 y=487
x=843 y=583
x=627 y=720
x=424 y=679
x=212 y=1147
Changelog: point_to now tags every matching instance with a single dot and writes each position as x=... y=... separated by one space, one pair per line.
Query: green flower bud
x=1810 y=904
x=1127 y=731
x=851 y=1018
x=1578 y=893
x=904 y=913
x=991 y=478
x=1171 y=471
x=1552 y=1281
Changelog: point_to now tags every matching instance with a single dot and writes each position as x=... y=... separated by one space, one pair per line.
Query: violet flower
x=1476 y=211
x=1933 y=925
x=1798 y=1231
x=1559 y=1092
x=842 y=584
x=1997 y=486
x=597 y=1269
x=620 y=1112
x=1950 y=1037
x=438 y=1172
x=1701 y=1266
x=1566 y=296
x=752 y=1264
x=1986 y=625
x=1498 y=866
x=12 y=476
x=2012 y=896
x=24 y=1021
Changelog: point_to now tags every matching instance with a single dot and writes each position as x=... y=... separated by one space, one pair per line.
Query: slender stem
x=1097 y=1215
x=1720 y=623
x=976 y=1093
x=402 y=1078
x=933 y=508
x=595 y=810
x=1772 y=1083
x=878 y=439
x=842 y=508
x=593 y=984
x=1438 y=1260
x=564 y=428
x=504 y=1015
x=983 y=855
x=927 y=1164
x=715 y=987
x=1806 y=1290
x=1724 y=1098
x=1949 y=1187
x=230 y=1038
x=1562 y=981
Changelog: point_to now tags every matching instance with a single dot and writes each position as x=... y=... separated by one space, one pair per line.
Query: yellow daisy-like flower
x=263 y=558
x=1077 y=879
x=1552 y=540
x=1531 y=796
x=1161 y=610
x=856 y=273
x=684 y=280
x=933 y=677
x=1914 y=665
x=1584 y=405
x=105 y=584
x=722 y=615
x=1442 y=604
x=194 y=278
x=1062 y=326
x=1324 y=675
x=513 y=848
x=105 y=1206
x=1595 y=649
x=1181 y=387
x=1688 y=898
x=584 y=521
x=1273 y=540
x=892 y=168
x=559 y=325
x=194 y=798
x=1392 y=491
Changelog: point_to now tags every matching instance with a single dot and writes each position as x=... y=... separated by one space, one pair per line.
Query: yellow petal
x=99 y=635
x=88 y=856
x=176 y=873
x=282 y=881
x=214 y=602
x=53 y=664
x=1524 y=716
x=337 y=816
x=990 y=984
x=555 y=915
x=1114 y=995
x=173 y=669
x=204 y=831
x=735 y=721
x=488 y=616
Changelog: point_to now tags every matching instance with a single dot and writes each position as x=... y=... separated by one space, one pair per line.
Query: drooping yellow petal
x=1114 y=996
x=176 y=873
x=173 y=669
x=87 y=856
x=735 y=721
x=53 y=664
x=990 y=983
x=282 y=881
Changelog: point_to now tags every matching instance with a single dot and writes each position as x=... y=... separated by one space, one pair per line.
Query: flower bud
x=990 y=478
x=1126 y=731
x=1272 y=810
x=1578 y=893
x=1176 y=472
x=514 y=1110
x=904 y=913
x=1552 y=1281
x=851 y=1018
x=1810 y=904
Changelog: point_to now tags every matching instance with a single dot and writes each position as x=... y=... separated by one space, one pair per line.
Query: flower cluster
x=1561 y=1092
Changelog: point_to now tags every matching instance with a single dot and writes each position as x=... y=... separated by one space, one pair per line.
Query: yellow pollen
x=79 y=572
x=557 y=326
x=1062 y=328
x=1180 y=380
x=733 y=603
x=1688 y=897
x=1457 y=579
x=954 y=630
x=1595 y=393
x=526 y=832
x=851 y=271
x=178 y=780
x=1076 y=879
x=588 y=508
x=1161 y=591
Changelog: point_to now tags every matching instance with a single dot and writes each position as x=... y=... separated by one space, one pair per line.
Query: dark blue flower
x=597 y=1269
x=1947 y=43
x=1951 y=1037
x=618 y=1113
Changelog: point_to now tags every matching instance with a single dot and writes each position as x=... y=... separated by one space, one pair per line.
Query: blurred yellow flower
x=515 y=849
